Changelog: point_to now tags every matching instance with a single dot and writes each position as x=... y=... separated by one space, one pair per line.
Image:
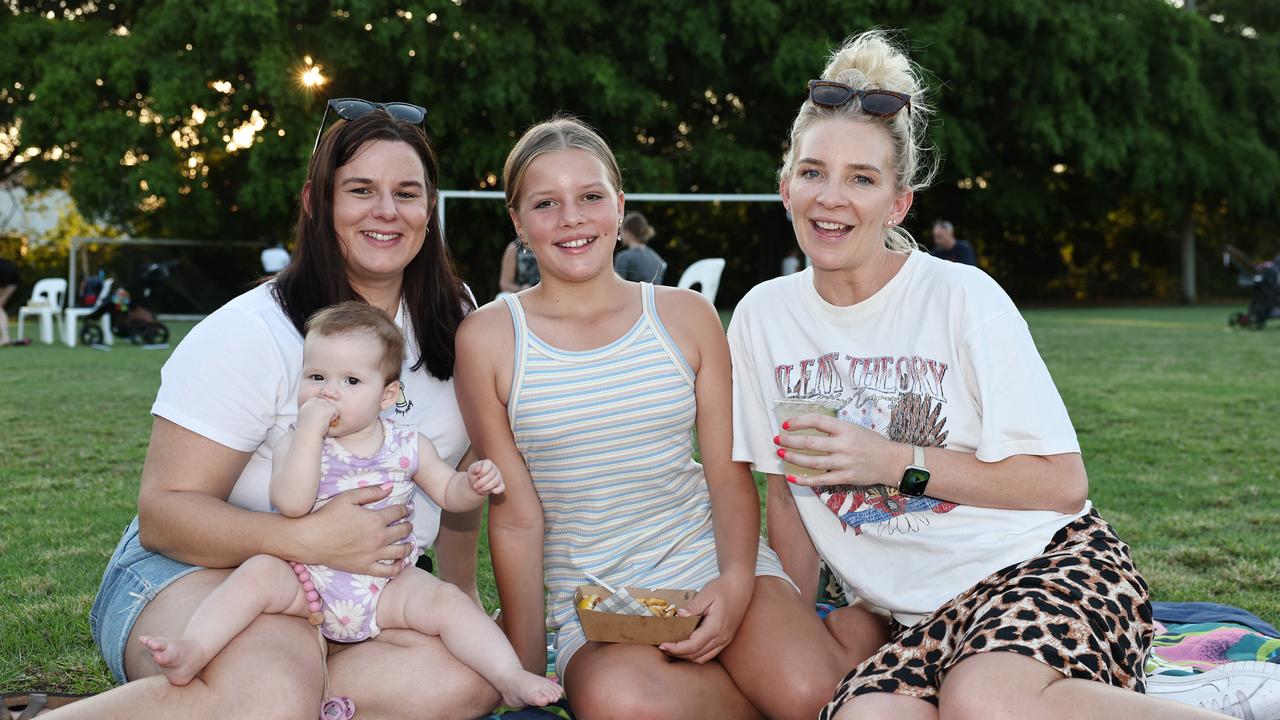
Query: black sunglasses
x=352 y=108
x=881 y=103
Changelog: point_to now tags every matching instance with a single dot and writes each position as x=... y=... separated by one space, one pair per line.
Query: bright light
x=312 y=77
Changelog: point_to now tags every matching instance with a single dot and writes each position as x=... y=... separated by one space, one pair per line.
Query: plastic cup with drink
x=787 y=408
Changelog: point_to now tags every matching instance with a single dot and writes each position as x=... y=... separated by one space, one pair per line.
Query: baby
x=351 y=370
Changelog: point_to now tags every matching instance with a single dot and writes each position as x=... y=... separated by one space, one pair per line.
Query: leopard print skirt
x=1080 y=607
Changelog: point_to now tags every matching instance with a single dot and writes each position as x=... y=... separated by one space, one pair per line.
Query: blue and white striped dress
x=606 y=435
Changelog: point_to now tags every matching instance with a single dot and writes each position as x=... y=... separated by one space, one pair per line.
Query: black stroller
x=130 y=317
x=1264 y=278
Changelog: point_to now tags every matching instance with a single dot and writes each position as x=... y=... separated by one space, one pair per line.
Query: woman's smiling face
x=381 y=207
x=842 y=192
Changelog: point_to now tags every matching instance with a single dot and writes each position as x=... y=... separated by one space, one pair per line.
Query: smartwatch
x=916 y=477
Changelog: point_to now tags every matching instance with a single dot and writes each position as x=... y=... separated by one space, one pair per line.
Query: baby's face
x=344 y=369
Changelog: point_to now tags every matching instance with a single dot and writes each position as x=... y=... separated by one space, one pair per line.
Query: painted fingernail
x=786 y=424
x=791 y=478
x=782 y=453
x=777 y=439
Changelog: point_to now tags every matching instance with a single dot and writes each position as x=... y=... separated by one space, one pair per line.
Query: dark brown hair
x=357 y=318
x=433 y=293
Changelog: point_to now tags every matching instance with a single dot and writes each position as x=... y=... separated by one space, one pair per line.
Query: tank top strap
x=521 y=328
x=651 y=317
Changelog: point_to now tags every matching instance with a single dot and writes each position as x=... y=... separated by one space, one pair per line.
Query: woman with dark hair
x=367 y=232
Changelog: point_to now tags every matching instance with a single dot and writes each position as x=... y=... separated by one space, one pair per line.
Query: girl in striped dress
x=585 y=390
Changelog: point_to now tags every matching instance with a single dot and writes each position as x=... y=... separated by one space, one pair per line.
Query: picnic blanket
x=1193 y=638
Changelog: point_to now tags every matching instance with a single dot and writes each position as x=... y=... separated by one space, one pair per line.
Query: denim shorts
x=133 y=577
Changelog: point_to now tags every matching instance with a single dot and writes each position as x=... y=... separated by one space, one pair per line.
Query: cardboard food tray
x=639 y=629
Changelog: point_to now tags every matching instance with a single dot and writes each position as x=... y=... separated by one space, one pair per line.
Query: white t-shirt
x=234 y=379
x=274 y=259
x=938 y=357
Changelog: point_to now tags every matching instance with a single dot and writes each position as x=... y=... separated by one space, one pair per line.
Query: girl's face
x=346 y=370
x=842 y=192
x=381 y=207
x=568 y=211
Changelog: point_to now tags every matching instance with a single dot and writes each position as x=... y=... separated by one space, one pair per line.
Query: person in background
x=519 y=270
x=947 y=247
x=946 y=485
x=8 y=284
x=791 y=262
x=637 y=261
x=274 y=258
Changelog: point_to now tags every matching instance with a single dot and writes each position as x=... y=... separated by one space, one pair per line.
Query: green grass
x=1177 y=416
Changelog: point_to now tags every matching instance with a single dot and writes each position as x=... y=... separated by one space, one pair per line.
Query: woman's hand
x=854 y=454
x=721 y=603
x=346 y=535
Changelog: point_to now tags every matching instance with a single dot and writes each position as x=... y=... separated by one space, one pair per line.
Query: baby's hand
x=485 y=478
x=317 y=415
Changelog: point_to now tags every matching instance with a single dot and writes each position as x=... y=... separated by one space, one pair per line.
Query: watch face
x=914 y=481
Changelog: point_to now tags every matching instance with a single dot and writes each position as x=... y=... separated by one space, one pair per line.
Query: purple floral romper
x=349 y=600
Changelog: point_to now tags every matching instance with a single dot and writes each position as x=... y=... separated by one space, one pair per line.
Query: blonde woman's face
x=568 y=212
x=842 y=192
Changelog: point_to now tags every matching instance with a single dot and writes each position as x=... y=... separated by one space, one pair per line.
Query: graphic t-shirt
x=939 y=357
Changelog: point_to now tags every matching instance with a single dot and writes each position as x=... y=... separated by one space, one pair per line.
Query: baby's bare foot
x=178 y=659
x=524 y=688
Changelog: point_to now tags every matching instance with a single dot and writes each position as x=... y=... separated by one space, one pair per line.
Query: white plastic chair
x=71 y=318
x=706 y=275
x=46 y=302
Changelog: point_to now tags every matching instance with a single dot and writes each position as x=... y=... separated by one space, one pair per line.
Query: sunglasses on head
x=352 y=108
x=880 y=103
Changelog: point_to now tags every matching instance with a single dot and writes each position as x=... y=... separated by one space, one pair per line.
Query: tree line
x=1081 y=141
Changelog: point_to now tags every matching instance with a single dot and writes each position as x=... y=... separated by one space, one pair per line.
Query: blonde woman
x=951 y=493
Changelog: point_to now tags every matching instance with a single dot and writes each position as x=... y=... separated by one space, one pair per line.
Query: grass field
x=1177 y=416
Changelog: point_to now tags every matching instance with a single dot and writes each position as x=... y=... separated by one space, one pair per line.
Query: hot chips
x=659 y=607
